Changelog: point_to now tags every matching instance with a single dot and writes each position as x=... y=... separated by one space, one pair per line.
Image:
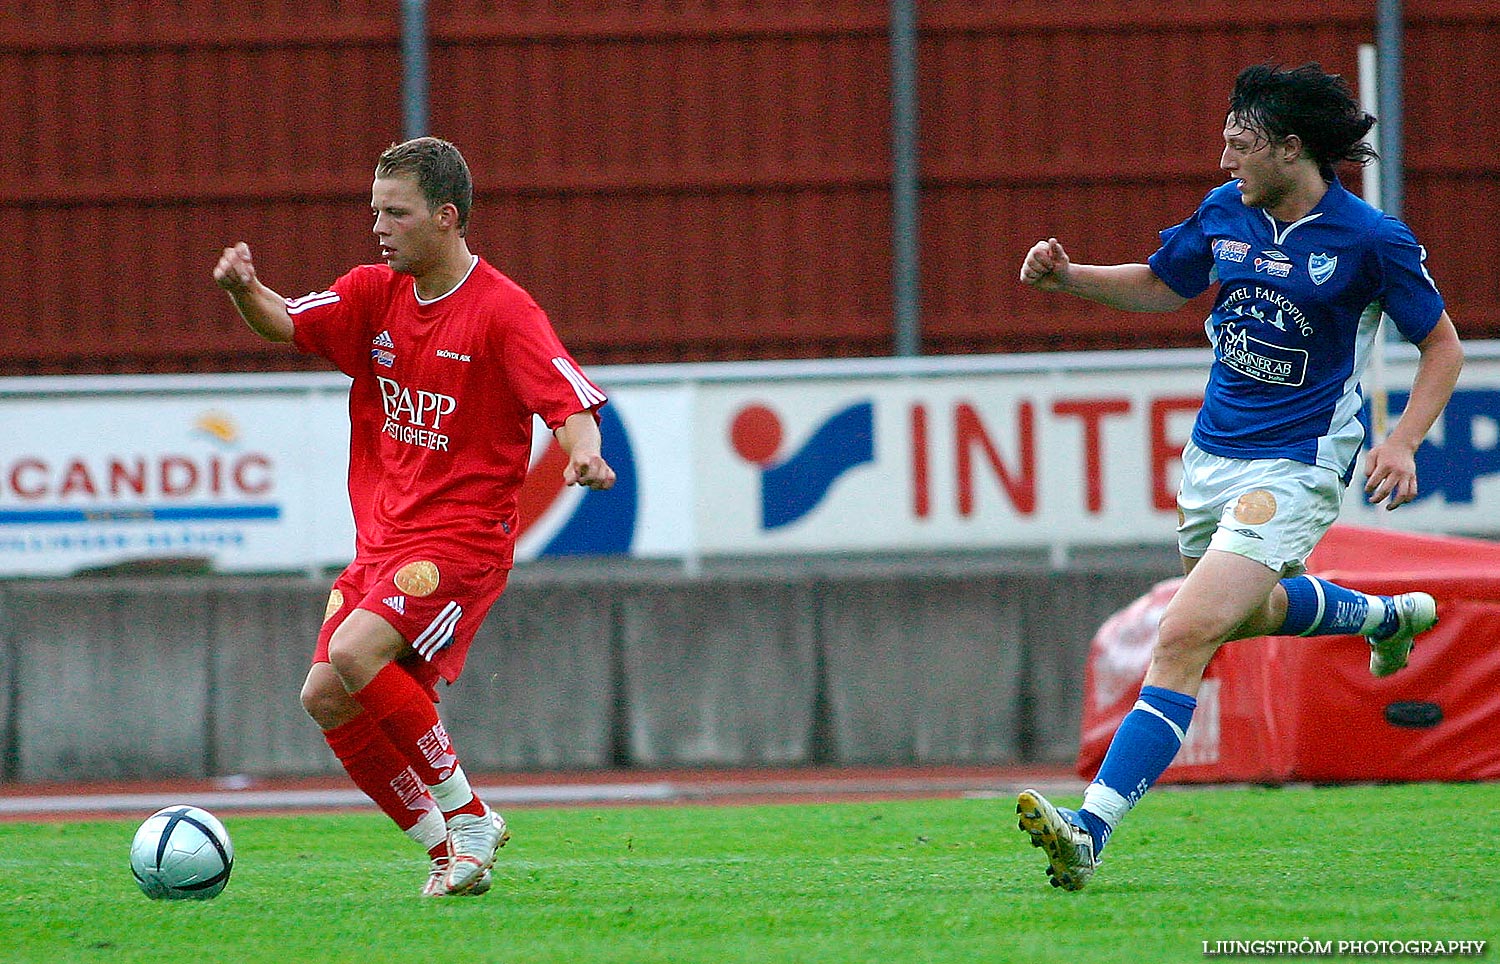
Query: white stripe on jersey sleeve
x=295 y=306
x=588 y=395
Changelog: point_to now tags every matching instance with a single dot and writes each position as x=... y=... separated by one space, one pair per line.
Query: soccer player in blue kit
x=1304 y=270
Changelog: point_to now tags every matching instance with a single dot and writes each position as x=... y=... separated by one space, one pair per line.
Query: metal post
x=414 y=67
x=905 y=221
x=1369 y=101
x=1388 y=40
x=1372 y=188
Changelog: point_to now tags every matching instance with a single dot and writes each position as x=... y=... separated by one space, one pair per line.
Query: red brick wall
x=672 y=181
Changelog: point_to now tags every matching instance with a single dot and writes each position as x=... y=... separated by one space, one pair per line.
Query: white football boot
x=1069 y=848
x=1416 y=612
x=473 y=842
x=437 y=882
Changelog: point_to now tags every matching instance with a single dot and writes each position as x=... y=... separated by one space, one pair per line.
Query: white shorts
x=1271 y=510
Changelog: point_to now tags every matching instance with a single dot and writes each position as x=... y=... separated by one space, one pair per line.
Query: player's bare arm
x=1129 y=287
x=1391 y=466
x=263 y=309
x=579 y=436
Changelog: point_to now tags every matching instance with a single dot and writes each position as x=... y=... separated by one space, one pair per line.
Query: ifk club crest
x=1320 y=267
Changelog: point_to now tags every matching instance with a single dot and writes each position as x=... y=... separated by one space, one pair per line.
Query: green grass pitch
x=880 y=882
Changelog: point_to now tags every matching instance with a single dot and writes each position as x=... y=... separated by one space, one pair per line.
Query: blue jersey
x=1295 y=318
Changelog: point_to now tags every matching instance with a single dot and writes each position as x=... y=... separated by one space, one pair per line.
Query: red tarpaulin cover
x=1278 y=709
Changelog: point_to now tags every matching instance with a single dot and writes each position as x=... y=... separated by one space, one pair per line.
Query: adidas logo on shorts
x=398 y=603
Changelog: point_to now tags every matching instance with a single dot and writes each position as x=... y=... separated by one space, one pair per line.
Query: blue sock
x=1317 y=607
x=1096 y=827
x=1143 y=747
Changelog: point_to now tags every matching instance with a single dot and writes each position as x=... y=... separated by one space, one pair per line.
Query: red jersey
x=440 y=413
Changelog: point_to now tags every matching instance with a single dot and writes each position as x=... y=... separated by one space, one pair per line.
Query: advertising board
x=246 y=473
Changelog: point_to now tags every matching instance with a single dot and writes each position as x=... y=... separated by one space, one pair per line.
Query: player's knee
x=1187 y=638
x=361 y=647
x=354 y=659
x=327 y=702
x=343 y=655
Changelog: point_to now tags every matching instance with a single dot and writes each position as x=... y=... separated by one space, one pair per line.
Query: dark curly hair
x=1317 y=107
x=441 y=173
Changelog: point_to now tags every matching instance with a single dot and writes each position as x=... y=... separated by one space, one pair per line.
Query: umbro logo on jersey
x=398 y=603
x=383 y=340
x=1275 y=255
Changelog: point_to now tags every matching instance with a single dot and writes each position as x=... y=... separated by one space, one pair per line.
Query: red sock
x=375 y=766
x=406 y=715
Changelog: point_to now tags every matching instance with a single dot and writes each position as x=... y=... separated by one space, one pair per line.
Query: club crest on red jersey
x=419 y=578
x=335 y=603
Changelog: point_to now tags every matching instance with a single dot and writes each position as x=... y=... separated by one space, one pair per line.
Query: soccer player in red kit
x=450 y=360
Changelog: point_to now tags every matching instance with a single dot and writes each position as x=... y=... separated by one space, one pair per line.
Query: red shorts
x=435 y=603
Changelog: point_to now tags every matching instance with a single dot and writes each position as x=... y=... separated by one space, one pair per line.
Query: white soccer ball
x=181 y=853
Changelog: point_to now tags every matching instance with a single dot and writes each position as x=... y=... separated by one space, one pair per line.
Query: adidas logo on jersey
x=398 y=603
x=383 y=340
